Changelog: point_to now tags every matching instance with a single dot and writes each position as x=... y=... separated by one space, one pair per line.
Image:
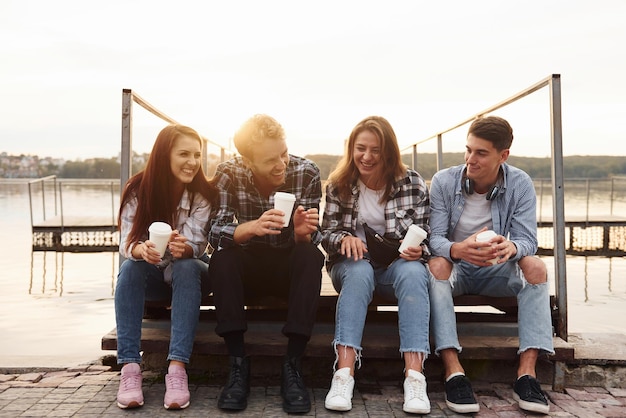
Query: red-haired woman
x=172 y=189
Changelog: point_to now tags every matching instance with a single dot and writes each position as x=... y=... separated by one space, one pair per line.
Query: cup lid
x=160 y=227
x=486 y=235
x=284 y=195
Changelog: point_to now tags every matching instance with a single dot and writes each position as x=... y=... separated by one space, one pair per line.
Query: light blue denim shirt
x=513 y=211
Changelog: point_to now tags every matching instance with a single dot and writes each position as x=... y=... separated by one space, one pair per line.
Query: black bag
x=381 y=249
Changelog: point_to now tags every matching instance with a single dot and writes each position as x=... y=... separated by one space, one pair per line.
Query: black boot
x=235 y=393
x=295 y=395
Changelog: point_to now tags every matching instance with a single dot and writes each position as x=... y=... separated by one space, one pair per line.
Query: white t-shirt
x=476 y=215
x=371 y=211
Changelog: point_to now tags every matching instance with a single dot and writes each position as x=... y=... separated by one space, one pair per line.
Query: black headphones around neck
x=468 y=186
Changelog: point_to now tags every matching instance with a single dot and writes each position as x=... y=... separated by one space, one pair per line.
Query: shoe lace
x=534 y=390
x=417 y=388
x=235 y=376
x=339 y=386
x=293 y=377
x=462 y=391
x=175 y=381
x=131 y=381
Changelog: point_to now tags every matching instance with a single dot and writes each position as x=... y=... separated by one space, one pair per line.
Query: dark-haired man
x=483 y=194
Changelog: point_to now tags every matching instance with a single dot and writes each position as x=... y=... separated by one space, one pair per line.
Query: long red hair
x=154 y=186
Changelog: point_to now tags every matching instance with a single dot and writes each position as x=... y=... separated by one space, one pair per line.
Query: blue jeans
x=403 y=281
x=507 y=279
x=138 y=281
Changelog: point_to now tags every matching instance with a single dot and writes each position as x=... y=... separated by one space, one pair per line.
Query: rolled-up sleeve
x=194 y=227
x=127 y=218
x=333 y=222
x=222 y=231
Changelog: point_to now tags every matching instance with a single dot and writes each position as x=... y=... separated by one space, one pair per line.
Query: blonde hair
x=255 y=130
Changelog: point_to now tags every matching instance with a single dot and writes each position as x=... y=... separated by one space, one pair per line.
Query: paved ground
x=89 y=391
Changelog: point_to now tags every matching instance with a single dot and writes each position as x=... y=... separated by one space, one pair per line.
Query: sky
x=317 y=67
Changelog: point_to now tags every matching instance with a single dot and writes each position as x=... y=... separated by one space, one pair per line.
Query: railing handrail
x=58 y=194
x=554 y=83
x=540 y=84
x=128 y=97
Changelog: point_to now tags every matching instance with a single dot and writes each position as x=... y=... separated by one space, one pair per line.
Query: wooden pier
x=595 y=236
x=76 y=234
x=603 y=235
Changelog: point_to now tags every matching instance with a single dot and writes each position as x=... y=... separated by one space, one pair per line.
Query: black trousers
x=293 y=274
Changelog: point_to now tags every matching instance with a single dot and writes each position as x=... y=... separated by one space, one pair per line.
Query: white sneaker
x=339 y=396
x=415 y=398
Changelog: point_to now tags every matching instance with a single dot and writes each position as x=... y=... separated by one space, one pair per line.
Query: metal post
x=558 y=204
x=112 y=204
x=54 y=178
x=414 y=160
x=540 y=201
x=612 y=192
x=587 y=193
x=126 y=152
x=61 y=205
x=30 y=203
x=439 y=152
x=43 y=198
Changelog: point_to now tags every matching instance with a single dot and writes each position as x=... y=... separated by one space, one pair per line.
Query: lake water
x=55 y=307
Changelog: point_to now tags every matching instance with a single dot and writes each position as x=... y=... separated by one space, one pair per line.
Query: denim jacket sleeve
x=442 y=199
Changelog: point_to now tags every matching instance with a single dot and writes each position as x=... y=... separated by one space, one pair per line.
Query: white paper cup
x=160 y=233
x=284 y=202
x=413 y=238
x=486 y=236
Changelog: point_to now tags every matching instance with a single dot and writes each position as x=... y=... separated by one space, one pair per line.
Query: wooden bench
x=489 y=333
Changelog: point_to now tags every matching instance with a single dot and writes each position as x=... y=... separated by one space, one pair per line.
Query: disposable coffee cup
x=160 y=233
x=486 y=236
x=284 y=202
x=413 y=238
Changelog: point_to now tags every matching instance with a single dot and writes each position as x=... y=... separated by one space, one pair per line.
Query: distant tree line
x=577 y=166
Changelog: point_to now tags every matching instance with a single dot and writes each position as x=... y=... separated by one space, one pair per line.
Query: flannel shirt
x=240 y=201
x=408 y=204
x=192 y=220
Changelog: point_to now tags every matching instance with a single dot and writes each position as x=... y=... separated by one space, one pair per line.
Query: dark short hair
x=493 y=129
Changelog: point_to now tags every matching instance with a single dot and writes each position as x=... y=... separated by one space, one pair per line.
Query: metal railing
x=42 y=182
x=128 y=97
x=57 y=192
x=553 y=83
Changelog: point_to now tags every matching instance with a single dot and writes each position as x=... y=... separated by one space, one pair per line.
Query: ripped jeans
x=403 y=281
x=507 y=279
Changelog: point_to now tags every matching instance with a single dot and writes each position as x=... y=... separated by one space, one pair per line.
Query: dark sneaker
x=460 y=396
x=234 y=395
x=292 y=389
x=529 y=395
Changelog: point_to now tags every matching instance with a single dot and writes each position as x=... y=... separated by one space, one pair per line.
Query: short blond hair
x=255 y=130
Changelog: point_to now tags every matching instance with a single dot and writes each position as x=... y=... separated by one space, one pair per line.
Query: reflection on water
x=40 y=270
x=61 y=304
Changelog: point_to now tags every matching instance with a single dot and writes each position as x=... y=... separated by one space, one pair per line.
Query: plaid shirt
x=240 y=201
x=192 y=219
x=408 y=204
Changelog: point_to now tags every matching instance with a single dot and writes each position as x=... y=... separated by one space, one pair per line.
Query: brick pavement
x=89 y=391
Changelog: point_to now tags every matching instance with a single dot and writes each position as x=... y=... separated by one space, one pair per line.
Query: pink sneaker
x=176 y=389
x=130 y=395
